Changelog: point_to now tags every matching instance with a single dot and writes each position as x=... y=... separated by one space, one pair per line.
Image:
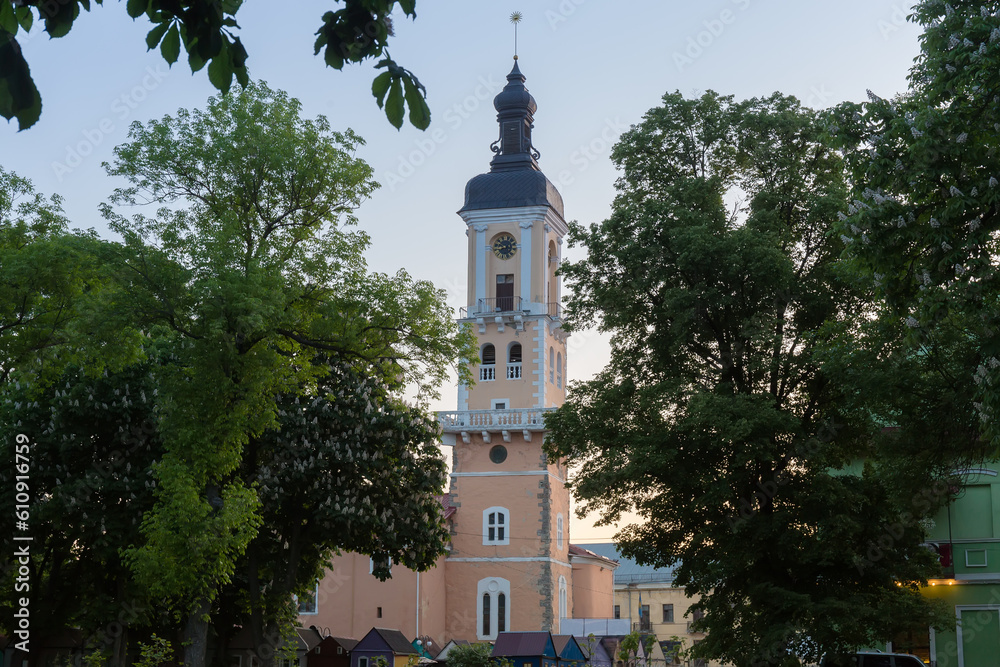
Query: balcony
x=489 y=422
x=513 y=371
x=487 y=372
x=508 y=305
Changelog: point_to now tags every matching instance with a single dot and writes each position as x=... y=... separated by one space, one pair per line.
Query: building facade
x=510 y=566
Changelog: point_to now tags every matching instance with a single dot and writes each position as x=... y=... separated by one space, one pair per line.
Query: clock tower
x=510 y=558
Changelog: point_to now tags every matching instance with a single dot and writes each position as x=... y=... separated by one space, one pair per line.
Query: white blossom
x=900 y=222
x=912 y=322
x=953 y=41
x=864 y=239
x=995 y=34
x=951 y=69
x=945 y=246
x=967 y=42
x=993 y=181
x=959 y=269
x=973 y=224
x=872 y=96
x=934 y=223
x=948 y=10
x=846 y=239
x=974 y=192
x=841 y=216
x=962 y=137
x=899 y=164
x=916 y=133
x=855 y=228
x=955 y=192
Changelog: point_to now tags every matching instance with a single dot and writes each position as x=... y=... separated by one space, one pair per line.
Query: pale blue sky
x=593 y=66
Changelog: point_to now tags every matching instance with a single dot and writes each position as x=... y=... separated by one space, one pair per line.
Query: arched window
x=552 y=364
x=559 y=369
x=496 y=521
x=487 y=369
x=493 y=594
x=559 y=531
x=486 y=614
x=562 y=598
x=514 y=361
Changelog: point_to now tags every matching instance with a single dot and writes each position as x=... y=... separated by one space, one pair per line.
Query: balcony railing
x=496 y=420
x=487 y=373
x=496 y=305
x=514 y=371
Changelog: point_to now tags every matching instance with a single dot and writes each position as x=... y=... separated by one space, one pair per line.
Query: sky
x=593 y=66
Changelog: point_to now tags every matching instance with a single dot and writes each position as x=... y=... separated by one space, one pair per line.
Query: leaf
x=380 y=86
x=409 y=7
x=154 y=36
x=136 y=8
x=170 y=48
x=394 y=104
x=19 y=97
x=220 y=70
x=420 y=113
x=8 y=21
x=25 y=18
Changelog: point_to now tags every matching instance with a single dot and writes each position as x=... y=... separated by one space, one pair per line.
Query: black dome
x=509 y=189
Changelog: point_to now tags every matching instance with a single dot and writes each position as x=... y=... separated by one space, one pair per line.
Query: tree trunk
x=196 y=635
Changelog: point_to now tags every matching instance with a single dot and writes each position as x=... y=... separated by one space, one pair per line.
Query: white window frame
x=500 y=401
x=559 y=531
x=371 y=565
x=494 y=586
x=563 y=599
x=363 y=661
x=976 y=551
x=501 y=511
x=315 y=605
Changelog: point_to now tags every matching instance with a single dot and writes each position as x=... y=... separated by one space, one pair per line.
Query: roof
x=395 y=640
x=567 y=648
x=598 y=655
x=512 y=644
x=577 y=550
x=629 y=571
x=511 y=189
x=346 y=642
x=447 y=508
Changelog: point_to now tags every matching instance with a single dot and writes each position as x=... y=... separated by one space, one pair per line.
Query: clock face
x=505 y=246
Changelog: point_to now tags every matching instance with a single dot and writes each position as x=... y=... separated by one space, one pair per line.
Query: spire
x=515 y=113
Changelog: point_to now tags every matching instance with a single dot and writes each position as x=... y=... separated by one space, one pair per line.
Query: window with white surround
x=559 y=531
x=371 y=564
x=559 y=369
x=493 y=610
x=552 y=364
x=514 y=361
x=308 y=603
x=562 y=598
x=496 y=524
x=363 y=661
x=499 y=403
x=488 y=363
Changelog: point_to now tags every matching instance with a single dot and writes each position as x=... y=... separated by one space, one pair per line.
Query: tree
x=206 y=29
x=247 y=264
x=715 y=421
x=923 y=226
x=472 y=655
x=48 y=275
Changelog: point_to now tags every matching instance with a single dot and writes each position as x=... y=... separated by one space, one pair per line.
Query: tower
x=510 y=544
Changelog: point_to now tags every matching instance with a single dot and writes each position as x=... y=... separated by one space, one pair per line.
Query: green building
x=966 y=534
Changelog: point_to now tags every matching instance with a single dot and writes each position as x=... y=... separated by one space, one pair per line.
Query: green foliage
x=472 y=655
x=923 y=225
x=206 y=29
x=156 y=653
x=715 y=420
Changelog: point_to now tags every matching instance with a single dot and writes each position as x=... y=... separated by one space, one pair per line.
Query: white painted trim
x=976 y=551
x=517 y=559
x=509 y=473
x=958 y=625
x=505 y=525
x=505 y=401
x=526 y=260
x=499 y=585
x=480 y=265
x=517 y=214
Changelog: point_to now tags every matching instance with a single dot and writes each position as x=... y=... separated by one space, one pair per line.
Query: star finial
x=515 y=18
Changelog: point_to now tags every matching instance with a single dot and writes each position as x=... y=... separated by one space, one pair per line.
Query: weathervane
x=515 y=18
